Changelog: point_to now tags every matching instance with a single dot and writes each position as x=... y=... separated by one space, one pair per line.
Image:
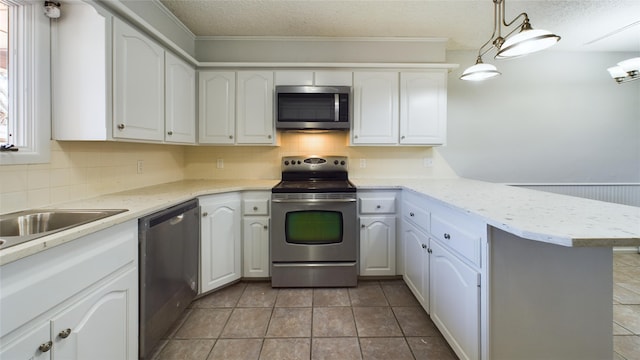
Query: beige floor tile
x=259 y=294
x=236 y=349
x=376 y=321
x=203 y=324
x=331 y=297
x=368 y=293
x=398 y=294
x=286 y=349
x=623 y=293
x=290 y=322
x=294 y=298
x=627 y=346
x=385 y=348
x=247 y=323
x=627 y=316
x=335 y=348
x=430 y=347
x=333 y=322
x=177 y=324
x=227 y=297
x=186 y=349
x=627 y=259
x=619 y=330
x=414 y=321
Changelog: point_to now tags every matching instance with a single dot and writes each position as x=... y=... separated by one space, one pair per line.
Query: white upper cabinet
x=375 y=108
x=423 y=107
x=293 y=77
x=180 y=101
x=255 y=123
x=217 y=107
x=317 y=78
x=138 y=82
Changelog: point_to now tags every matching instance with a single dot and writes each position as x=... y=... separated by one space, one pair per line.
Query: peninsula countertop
x=530 y=214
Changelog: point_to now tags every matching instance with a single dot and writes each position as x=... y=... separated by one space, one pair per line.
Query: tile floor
x=250 y=320
x=626 y=306
x=376 y=320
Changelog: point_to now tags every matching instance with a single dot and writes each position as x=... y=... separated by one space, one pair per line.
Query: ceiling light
x=52 y=9
x=479 y=71
x=525 y=42
x=626 y=70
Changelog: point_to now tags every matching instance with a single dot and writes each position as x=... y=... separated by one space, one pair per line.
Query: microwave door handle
x=336 y=108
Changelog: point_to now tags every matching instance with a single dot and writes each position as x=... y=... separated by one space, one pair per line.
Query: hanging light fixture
x=527 y=41
x=625 y=71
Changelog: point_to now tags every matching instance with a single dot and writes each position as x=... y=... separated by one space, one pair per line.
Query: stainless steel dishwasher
x=169 y=243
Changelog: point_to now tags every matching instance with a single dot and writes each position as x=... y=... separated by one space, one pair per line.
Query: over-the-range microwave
x=313 y=107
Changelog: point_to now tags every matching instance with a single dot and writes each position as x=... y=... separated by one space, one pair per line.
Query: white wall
x=551 y=117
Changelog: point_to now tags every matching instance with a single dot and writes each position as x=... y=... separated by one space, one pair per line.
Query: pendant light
x=626 y=70
x=527 y=41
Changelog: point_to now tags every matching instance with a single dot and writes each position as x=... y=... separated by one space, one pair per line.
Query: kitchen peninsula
x=543 y=264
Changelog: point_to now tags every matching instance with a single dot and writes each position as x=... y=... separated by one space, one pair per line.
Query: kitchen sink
x=19 y=227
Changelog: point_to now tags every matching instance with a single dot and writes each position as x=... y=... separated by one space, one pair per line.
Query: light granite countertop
x=530 y=214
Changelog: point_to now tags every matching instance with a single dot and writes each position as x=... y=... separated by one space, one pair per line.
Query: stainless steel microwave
x=313 y=107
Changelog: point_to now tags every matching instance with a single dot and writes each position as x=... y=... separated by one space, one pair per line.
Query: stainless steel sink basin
x=19 y=227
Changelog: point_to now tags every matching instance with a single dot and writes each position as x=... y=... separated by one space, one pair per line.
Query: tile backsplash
x=81 y=170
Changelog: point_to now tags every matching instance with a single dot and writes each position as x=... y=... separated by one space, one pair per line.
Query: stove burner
x=314 y=175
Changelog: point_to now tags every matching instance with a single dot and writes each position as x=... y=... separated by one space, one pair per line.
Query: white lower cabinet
x=220 y=240
x=377 y=245
x=255 y=234
x=455 y=301
x=78 y=300
x=416 y=262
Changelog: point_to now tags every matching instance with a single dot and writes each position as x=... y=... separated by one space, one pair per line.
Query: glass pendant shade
x=630 y=65
x=479 y=72
x=526 y=42
x=617 y=72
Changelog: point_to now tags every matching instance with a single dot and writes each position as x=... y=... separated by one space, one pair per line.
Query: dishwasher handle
x=174 y=215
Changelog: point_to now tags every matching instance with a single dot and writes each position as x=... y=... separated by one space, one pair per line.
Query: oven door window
x=313 y=227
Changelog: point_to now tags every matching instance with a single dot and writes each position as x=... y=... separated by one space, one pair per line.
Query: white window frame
x=29 y=84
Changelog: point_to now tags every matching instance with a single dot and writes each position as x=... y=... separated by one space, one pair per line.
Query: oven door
x=310 y=228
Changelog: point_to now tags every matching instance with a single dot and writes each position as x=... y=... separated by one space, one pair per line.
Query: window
x=25 y=115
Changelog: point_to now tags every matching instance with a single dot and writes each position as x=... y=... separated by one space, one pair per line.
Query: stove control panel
x=314 y=163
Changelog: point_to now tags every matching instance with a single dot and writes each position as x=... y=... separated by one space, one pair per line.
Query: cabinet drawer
x=414 y=209
x=378 y=205
x=255 y=207
x=459 y=232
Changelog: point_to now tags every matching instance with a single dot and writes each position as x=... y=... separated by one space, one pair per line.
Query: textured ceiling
x=466 y=23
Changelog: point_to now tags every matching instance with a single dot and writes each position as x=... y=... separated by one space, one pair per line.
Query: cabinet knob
x=65 y=333
x=355 y=136
x=266 y=227
x=205 y=214
x=255 y=208
x=230 y=136
x=424 y=246
x=402 y=137
x=268 y=136
x=362 y=226
x=170 y=133
x=378 y=206
x=120 y=126
x=45 y=347
x=430 y=251
x=447 y=236
x=412 y=214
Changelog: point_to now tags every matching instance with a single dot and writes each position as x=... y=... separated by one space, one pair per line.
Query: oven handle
x=313 y=200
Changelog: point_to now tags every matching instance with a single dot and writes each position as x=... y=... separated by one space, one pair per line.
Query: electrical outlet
x=428 y=162
x=220 y=164
x=363 y=163
x=140 y=166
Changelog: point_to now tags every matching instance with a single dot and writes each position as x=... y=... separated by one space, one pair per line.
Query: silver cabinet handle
x=205 y=214
x=65 y=333
x=45 y=347
x=120 y=126
x=447 y=236
x=170 y=133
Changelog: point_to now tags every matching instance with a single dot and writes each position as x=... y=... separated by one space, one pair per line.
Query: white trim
x=325 y=38
x=385 y=66
x=173 y=18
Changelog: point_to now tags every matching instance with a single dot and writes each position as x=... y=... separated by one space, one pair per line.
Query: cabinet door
x=255 y=108
x=180 y=101
x=416 y=262
x=423 y=108
x=255 y=242
x=29 y=346
x=293 y=77
x=220 y=241
x=217 y=107
x=138 y=85
x=377 y=245
x=103 y=325
x=375 y=108
x=455 y=301
x=333 y=78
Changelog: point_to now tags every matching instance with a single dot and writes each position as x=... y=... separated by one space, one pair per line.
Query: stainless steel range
x=314 y=238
